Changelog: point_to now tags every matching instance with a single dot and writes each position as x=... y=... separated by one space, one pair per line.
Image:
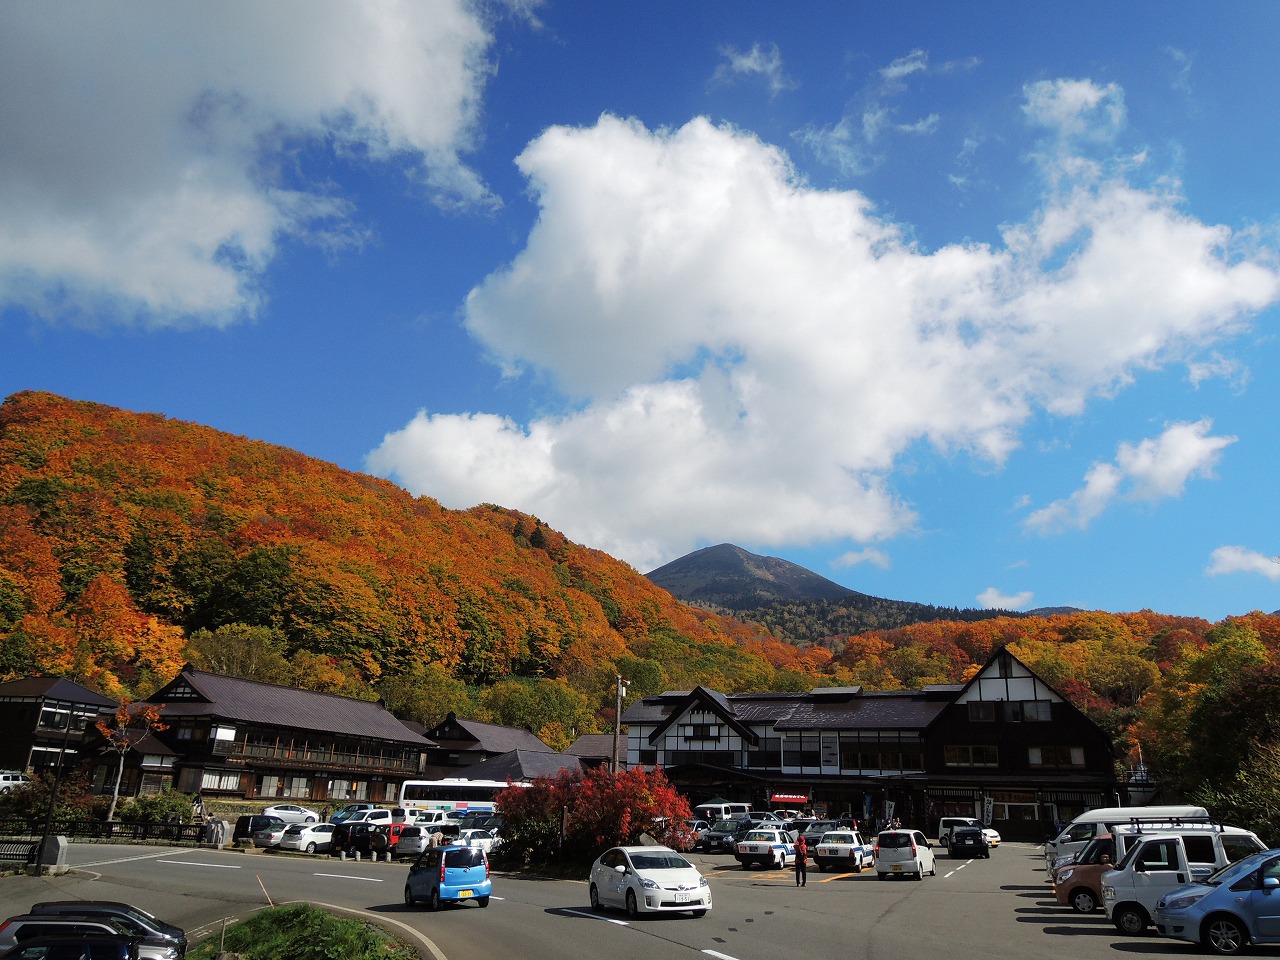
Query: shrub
x=303 y=932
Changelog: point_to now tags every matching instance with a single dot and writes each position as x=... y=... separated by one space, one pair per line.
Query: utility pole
x=617 y=717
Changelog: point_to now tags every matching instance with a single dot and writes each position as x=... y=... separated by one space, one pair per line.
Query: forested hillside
x=131 y=543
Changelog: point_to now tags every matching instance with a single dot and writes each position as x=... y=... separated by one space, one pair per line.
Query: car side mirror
x=1139 y=867
x=1270 y=883
x=620 y=869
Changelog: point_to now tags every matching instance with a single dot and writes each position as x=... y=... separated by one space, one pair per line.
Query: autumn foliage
x=575 y=817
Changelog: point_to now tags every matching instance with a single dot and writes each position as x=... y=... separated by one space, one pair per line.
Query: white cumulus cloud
x=140 y=164
x=993 y=599
x=745 y=357
x=1243 y=560
x=1154 y=469
x=763 y=60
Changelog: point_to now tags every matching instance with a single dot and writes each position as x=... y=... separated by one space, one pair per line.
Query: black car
x=722 y=835
x=813 y=830
x=969 y=842
x=80 y=946
x=137 y=921
x=249 y=824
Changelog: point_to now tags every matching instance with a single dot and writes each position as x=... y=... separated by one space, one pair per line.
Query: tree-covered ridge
x=123 y=535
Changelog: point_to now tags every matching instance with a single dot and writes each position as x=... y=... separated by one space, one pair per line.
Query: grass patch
x=302 y=932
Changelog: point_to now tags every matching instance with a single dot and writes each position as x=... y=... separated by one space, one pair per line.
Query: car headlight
x=1108 y=893
x=1065 y=875
x=702 y=882
x=648 y=884
x=1181 y=903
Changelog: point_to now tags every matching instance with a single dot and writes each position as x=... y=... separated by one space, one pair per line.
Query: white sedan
x=308 y=837
x=476 y=837
x=648 y=880
x=292 y=813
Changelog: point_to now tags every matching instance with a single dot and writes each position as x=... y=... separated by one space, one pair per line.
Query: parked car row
x=104 y=929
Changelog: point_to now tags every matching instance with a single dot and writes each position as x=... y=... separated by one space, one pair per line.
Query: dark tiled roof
x=252 y=701
x=54 y=688
x=489 y=737
x=522 y=765
x=596 y=745
x=900 y=711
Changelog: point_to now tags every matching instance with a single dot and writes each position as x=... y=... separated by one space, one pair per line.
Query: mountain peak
x=728 y=576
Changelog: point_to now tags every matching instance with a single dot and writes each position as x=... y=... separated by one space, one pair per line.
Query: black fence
x=115 y=831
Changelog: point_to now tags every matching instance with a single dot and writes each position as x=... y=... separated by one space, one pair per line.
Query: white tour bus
x=454 y=795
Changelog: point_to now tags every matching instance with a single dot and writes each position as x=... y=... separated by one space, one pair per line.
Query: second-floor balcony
x=315 y=758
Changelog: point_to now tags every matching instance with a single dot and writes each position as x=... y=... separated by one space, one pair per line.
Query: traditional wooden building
x=44 y=719
x=456 y=742
x=1004 y=747
x=244 y=738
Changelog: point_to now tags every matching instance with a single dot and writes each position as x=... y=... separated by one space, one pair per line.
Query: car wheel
x=1130 y=920
x=1083 y=900
x=918 y=875
x=483 y=901
x=596 y=905
x=311 y=819
x=1224 y=935
x=699 y=913
x=633 y=910
x=434 y=902
x=822 y=867
x=311 y=847
x=882 y=876
x=408 y=896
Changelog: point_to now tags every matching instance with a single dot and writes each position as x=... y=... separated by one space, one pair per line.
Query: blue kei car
x=1236 y=906
x=449 y=874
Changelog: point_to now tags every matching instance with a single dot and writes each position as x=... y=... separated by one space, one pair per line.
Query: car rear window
x=466 y=857
x=894 y=840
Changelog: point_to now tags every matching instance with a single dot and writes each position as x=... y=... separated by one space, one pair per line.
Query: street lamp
x=53 y=794
x=617 y=717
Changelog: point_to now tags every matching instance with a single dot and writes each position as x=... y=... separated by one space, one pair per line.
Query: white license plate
x=466 y=893
x=682 y=898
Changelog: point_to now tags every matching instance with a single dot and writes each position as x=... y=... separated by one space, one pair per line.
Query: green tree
x=424 y=693
x=536 y=704
x=239 y=650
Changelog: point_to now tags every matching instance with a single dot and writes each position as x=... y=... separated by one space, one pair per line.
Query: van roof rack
x=1155 y=824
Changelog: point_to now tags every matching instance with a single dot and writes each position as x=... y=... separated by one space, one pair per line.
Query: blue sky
x=967 y=304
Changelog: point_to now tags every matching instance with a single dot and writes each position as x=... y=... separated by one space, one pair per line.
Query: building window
x=220 y=780
x=700 y=731
x=1056 y=756
x=982 y=711
x=1031 y=711
x=649 y=757
x=971 y=756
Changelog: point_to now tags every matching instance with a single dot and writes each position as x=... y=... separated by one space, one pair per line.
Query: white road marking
x=717 y=953
x=347 y=876
x=102 y=863
x=196 y=863
x=595 y=916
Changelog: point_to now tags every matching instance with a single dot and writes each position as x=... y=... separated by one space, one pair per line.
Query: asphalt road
x=972 y=910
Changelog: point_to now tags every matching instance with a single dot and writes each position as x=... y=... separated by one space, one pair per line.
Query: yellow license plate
x=897 y=867
x=466 y=893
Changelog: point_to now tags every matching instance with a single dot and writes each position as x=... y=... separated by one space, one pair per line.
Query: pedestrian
x=802 y=861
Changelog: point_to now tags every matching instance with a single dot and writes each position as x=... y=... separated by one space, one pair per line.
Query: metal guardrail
x=26 y=831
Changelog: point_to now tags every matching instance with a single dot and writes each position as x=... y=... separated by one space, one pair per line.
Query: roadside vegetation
x=304 y=932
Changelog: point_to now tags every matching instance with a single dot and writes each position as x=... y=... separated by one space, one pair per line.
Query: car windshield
x=837 y=838
x=726 y=826
x=660 y=861
x=1233 y=871
x=767 y=835
x=1096 y=849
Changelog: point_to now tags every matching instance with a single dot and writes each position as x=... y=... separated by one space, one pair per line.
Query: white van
x=721 y=810
x=1163 y=861
x=1093 y=823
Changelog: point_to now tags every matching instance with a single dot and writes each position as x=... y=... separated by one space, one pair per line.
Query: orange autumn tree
x=130 y=724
